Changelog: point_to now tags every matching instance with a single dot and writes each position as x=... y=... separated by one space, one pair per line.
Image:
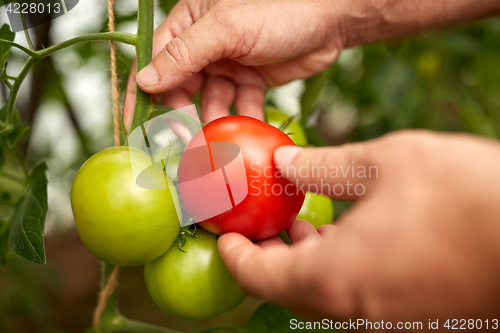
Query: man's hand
x=422 y=241
x=233 y=50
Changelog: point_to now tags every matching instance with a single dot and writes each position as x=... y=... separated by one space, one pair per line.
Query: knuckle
x=417 y=141
x=177 y=49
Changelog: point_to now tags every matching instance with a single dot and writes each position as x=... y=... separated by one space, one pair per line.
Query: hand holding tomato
x=269 y=202
x=232 y=50
x=421 y=242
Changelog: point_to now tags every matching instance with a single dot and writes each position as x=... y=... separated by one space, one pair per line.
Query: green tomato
x=317 y=209
x=277 y=118
x=194 y=284
x=118 y=221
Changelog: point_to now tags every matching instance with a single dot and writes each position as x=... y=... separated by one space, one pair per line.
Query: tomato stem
x=144 y=49
x=121 y=323
x=36 y=56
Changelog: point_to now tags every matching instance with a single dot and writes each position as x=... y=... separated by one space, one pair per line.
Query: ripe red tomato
x=272 y=202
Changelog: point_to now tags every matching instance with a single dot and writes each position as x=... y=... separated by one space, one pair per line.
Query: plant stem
x=120 y=323
x=36 y=56
x=116 y=36
x=26 y=33
x=313 y=88
x=20 y=47
x=113 y=321
x=144 y=49
x=8 y=84
x=17 y=84
x=105 y=273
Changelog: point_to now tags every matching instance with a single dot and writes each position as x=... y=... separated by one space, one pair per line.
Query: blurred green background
x=446 y=80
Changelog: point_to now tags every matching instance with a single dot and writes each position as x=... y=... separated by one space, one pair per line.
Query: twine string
x=112 y=282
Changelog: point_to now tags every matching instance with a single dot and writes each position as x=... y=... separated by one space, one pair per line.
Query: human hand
x=233 y=50
x=422 y=241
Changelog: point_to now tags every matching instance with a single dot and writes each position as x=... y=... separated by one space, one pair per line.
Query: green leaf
x=7 y=34
x=3 y=71
x=272 y=318
x=28 y=223
x=4 y=240
x=89 y=330
x=13 y=130
x=166 y=5
x=5 y=127
x=313 y=88
x=17 y=132
x=16 y=135
x=267 y=318
x=2 y=155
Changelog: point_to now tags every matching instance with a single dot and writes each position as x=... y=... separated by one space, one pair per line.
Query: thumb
x=346 y=172
x=202 y=43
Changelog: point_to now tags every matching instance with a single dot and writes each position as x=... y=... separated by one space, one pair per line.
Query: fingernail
x=285 y=156
x=148 y=77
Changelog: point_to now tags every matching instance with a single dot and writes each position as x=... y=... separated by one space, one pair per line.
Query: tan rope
x=103 y=297
x=114 y=77
x=112 y=282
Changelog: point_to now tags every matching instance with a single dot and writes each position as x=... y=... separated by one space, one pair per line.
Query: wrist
x=365 y=21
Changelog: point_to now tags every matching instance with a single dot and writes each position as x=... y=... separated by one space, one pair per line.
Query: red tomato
x=226 y=191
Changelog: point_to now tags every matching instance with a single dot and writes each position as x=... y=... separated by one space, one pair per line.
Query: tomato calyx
x=285 y=123
x=188 y=231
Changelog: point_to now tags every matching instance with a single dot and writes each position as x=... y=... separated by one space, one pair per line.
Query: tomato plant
x=193 y=282
x=118 y=221
x=292 y=127
x=317 y=210
x=124 y=224
x=272 y=202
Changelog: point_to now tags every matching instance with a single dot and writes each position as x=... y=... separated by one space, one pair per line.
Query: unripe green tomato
x=317 y=209
x=277 y=118
x=194 y=284
x=118 y=221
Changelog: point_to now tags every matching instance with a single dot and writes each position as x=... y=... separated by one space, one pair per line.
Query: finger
x=250 y=102
x=300 y=230
x=129 y=104
x=183 y=95
x=217 y=96
x=345 y=172
x=292 y=276
x=298 y=68
x=261 y=271
x=323 y=230
x=180 y=18
x=204 y=42
x=274 y=241
x=250 y=86
x=237 y=73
